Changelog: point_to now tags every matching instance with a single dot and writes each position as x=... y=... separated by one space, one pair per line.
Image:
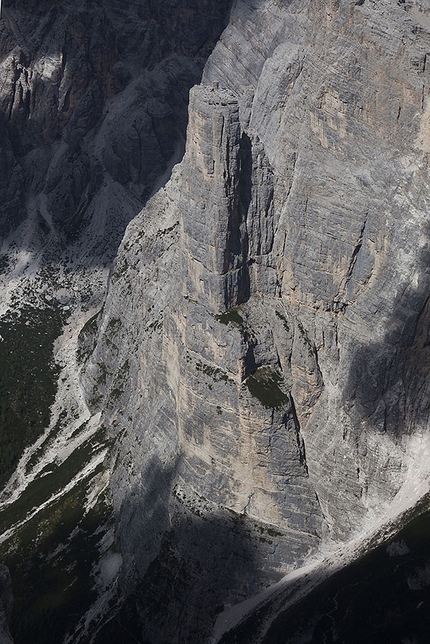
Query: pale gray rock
x=347 y=149
x=272 y=302
x=215 y=457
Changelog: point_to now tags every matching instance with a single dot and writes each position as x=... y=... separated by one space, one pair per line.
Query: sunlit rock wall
x=272 y=302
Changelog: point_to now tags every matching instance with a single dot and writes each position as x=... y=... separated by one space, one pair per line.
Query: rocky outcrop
x=262 y=356
x=215 y=465
x=93 y=108
x=93 y=113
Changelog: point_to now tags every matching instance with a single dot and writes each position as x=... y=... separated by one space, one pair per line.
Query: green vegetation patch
x=231 y=316
x=264 y=385
x=283 y=320
x=113 y=325
x=28 y=381
x=166 y=231
x=4 y=264
x=121 y=380
x=51 y=560
x=270 y=530
x=156 y=325
x=50 y=481
x=306 y=339
x=213 y=372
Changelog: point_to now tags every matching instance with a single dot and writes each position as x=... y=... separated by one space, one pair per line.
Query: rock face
x=214 y=467
x=268 y=310
x=93 y=114
x=262 y=357
x=93 y=109
x=346 y=144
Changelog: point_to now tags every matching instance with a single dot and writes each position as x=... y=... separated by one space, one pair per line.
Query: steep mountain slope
x=249 y=403
x=93 y=111
x=262 y=355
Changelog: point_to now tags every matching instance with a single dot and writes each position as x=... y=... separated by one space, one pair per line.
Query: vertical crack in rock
x=214 y=399
x=339 y=301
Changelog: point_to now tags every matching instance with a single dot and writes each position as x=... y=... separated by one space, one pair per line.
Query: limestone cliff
x=262 y=358
x=253 y=395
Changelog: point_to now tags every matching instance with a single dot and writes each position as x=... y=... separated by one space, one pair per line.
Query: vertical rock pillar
x=214 y=240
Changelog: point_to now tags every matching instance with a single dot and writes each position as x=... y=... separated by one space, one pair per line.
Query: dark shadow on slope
x=98 y=93
x=244 y=199
x=51 y=564
x=201 y=561
x=204 y=557
x=382 y=598
x=204 y=562
x=236 y=253
x=388 y=382
x=6 y=601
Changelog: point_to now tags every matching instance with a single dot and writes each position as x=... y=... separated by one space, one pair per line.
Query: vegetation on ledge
x=264 y=385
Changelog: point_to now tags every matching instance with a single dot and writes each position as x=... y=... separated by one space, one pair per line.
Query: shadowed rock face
x=274 y=295
x=93 y=107
x=377 y=599
x=261 y=362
